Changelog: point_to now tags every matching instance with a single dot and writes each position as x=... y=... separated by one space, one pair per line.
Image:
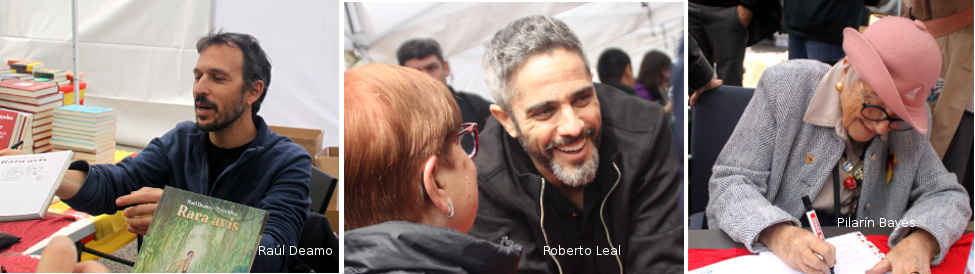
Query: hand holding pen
x=800 y=249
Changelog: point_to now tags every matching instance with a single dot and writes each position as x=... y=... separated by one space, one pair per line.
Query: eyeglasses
x=468 y=136
x=878 y=114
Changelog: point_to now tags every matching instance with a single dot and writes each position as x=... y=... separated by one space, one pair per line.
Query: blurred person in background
x=653 y=82
x=424 y=54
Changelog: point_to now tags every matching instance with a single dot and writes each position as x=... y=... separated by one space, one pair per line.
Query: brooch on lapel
x=891 y=161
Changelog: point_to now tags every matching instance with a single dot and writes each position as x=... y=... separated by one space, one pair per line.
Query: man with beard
x=565 y=170
x=229 y=153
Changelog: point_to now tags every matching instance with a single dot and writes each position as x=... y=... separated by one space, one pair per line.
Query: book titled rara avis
x=191 y=232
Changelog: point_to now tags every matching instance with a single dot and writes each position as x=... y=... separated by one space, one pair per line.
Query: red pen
x=813 y=221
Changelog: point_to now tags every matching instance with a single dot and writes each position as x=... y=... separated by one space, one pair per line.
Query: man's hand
x=714 y=83
x=913 y=254
x=744 y=16
x=60 y=256
x=799 y=248
x=11 y=152
x=143 y=203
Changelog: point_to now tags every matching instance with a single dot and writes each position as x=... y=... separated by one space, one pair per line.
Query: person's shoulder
x=797 y=68
x=627 y=112
x=283 y=147
x=791 y=84
x=491 y=160
x=182 y=131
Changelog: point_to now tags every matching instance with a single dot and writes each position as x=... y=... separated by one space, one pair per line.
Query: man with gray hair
x=565 y=168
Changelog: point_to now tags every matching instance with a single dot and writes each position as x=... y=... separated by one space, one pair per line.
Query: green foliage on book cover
x=196 y=233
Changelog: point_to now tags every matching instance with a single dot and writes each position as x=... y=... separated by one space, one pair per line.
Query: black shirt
x=571 y=227
x=219 y=159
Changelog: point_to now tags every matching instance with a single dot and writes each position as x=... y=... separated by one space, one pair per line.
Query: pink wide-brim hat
x=901 y=61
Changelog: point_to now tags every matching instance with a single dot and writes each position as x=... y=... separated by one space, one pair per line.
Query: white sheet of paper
x=854 y=254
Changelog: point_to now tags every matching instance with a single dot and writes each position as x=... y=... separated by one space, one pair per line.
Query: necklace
x=854 y=174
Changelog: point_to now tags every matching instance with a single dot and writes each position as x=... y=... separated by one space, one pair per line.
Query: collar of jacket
x=824 y=107
x=397 y=245
x=260 y=142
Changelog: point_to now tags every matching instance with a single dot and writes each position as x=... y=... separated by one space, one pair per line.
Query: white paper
x=29 y=182
x=854 y=254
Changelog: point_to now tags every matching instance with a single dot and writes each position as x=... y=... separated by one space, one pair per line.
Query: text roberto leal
x=558 y=250
x=291 y=250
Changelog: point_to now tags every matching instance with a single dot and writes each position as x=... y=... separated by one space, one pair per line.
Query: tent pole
x=74 y=46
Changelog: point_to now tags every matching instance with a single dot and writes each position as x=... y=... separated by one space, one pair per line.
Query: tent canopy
x=376 y=30
x=138 y=56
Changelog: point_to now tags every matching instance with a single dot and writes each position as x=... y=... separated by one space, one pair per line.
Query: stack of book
x=51 y=75
x=10 y=72
x=38 y=99
x=88 y=131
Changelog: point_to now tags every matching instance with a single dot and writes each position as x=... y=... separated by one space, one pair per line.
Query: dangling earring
x=451 y=206
x=839 y=86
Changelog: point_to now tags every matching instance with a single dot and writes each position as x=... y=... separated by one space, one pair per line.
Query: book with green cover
x=191 y=232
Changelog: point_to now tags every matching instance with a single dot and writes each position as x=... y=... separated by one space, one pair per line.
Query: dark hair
x=654 y=62
x=418 y=49
x=611 y=65
x=256 y=65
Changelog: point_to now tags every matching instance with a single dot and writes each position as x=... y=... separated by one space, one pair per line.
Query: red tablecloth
x=19 y=263
x=33 y=231
x=953 y=263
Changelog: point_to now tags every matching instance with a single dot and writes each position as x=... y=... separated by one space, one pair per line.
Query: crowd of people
x=568 y=175
x=560 y=165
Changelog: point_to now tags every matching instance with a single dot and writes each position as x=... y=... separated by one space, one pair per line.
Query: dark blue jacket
x=272 y=174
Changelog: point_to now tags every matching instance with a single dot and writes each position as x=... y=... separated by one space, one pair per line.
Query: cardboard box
x=310 y=139
x=328 y=161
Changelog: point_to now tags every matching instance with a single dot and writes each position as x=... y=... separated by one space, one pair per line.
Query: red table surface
x=953 y=263
x=19 y=263
x=30 y=233
x=34 y=231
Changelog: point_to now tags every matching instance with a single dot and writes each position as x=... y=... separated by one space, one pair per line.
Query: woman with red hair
x=410 y=183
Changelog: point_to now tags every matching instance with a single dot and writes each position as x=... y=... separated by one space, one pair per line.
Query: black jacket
x=473 y=108
x=823 y=20
x=766 y=16
x=634 y=201
x=404 y=247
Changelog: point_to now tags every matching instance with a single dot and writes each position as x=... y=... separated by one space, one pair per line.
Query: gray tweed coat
x=773 y=159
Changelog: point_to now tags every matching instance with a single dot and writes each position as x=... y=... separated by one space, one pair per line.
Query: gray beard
x=577 y=177
x=570 y=176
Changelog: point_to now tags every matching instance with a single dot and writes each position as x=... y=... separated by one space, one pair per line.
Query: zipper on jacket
x=541 y=222
x=602 y=207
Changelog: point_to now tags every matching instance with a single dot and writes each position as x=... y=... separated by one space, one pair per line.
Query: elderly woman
x=410 y=185
x=851 y=137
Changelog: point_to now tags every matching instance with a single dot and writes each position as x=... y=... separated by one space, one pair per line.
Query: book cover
x=191 y=232
x=25 y=85
x=29 y=182
x=8 y=127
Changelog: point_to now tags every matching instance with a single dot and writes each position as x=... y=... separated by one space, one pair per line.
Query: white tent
x=139 y=55
x=375 y=30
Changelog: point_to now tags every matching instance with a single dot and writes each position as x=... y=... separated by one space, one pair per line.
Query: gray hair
x=519 y=41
